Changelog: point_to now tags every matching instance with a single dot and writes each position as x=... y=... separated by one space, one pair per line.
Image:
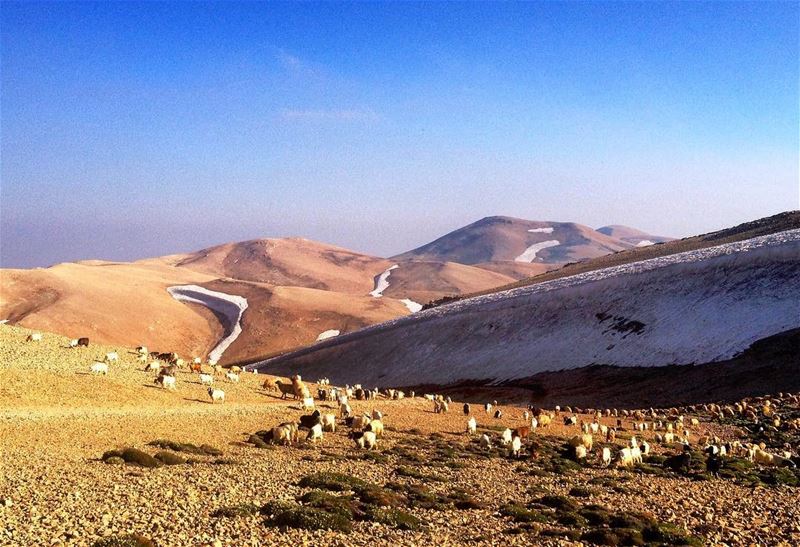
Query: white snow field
x=382 y=283
x=327 y=334
x=645 y=243
x=229 y=305
x=412 y=306
x=530 y=253
x=694 y=307
x=548 y=230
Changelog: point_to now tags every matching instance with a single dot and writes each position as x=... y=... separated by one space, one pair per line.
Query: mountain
x=702 y=306
x=294 y=290
x=499 y=238
x=633 y=236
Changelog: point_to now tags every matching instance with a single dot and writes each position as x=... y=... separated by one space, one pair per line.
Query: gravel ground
x=56 y=421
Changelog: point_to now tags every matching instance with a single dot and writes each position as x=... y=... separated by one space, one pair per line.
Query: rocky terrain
x=428 y=482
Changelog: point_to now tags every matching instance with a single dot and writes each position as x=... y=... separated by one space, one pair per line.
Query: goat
x=216 y=395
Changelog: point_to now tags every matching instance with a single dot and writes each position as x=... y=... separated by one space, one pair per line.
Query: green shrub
x=134 y=456
x=232 y=511
x=338 y=482
x=127 y=540
x=310 y=518
x=169 y=458
x=520 y=513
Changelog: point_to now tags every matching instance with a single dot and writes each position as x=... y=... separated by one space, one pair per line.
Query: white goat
x=216 y=395
x=99 y=368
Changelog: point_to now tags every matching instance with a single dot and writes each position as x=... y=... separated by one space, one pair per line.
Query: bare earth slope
x=291 y=262
x=119 y=303
x=695 y=307
x=632 y=235
x=426 y=281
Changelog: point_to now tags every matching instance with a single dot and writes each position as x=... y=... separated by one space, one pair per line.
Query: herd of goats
x=669 y=425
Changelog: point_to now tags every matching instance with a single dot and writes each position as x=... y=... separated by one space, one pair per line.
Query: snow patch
x=645 y=243
x=412 y=306
x=229 y=305
x=382 y=283
x=548 y=230
x=327 y=334
x=530 y=253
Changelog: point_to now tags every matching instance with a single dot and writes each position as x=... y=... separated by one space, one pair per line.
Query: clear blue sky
x=133 y=130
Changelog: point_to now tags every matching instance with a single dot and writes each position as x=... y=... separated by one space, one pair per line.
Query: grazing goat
x=376 y=426
x=269 y=385
x=232 y=377
x=206 y=379
x=311 y=420
x=99 y=368
x=285 y=389
x=314 y=433
x=498 y=414
x=515 y=448
x=506 y=438
x=329 y=422
x=466 y=409
x=606 y=456
x=365 y=440
x=216 y=395
x=584 y=440
x=34 y=337
x=521 y=432
x=112 y=357
x=282 y=435
x=624 y=458
x=308 y=403
x=472 y=426
x=167 y=382
x=486 y=442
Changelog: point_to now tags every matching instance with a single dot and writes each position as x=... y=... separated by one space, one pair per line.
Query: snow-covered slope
x=693 y=307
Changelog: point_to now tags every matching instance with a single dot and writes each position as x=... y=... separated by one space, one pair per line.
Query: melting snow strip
x=382 y=283
x=412 y=306
x=229 y=305
x=327 y=334
x=645 y=243
x=530 y=253
x=548 y=230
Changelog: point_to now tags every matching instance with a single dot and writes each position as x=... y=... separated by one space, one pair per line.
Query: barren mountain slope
x=118 y=303
x=632 y=235
x=294 y=262
x=281 y=318
x=424 y=281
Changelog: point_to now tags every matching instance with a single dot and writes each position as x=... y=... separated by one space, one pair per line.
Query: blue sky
x=133 y=130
